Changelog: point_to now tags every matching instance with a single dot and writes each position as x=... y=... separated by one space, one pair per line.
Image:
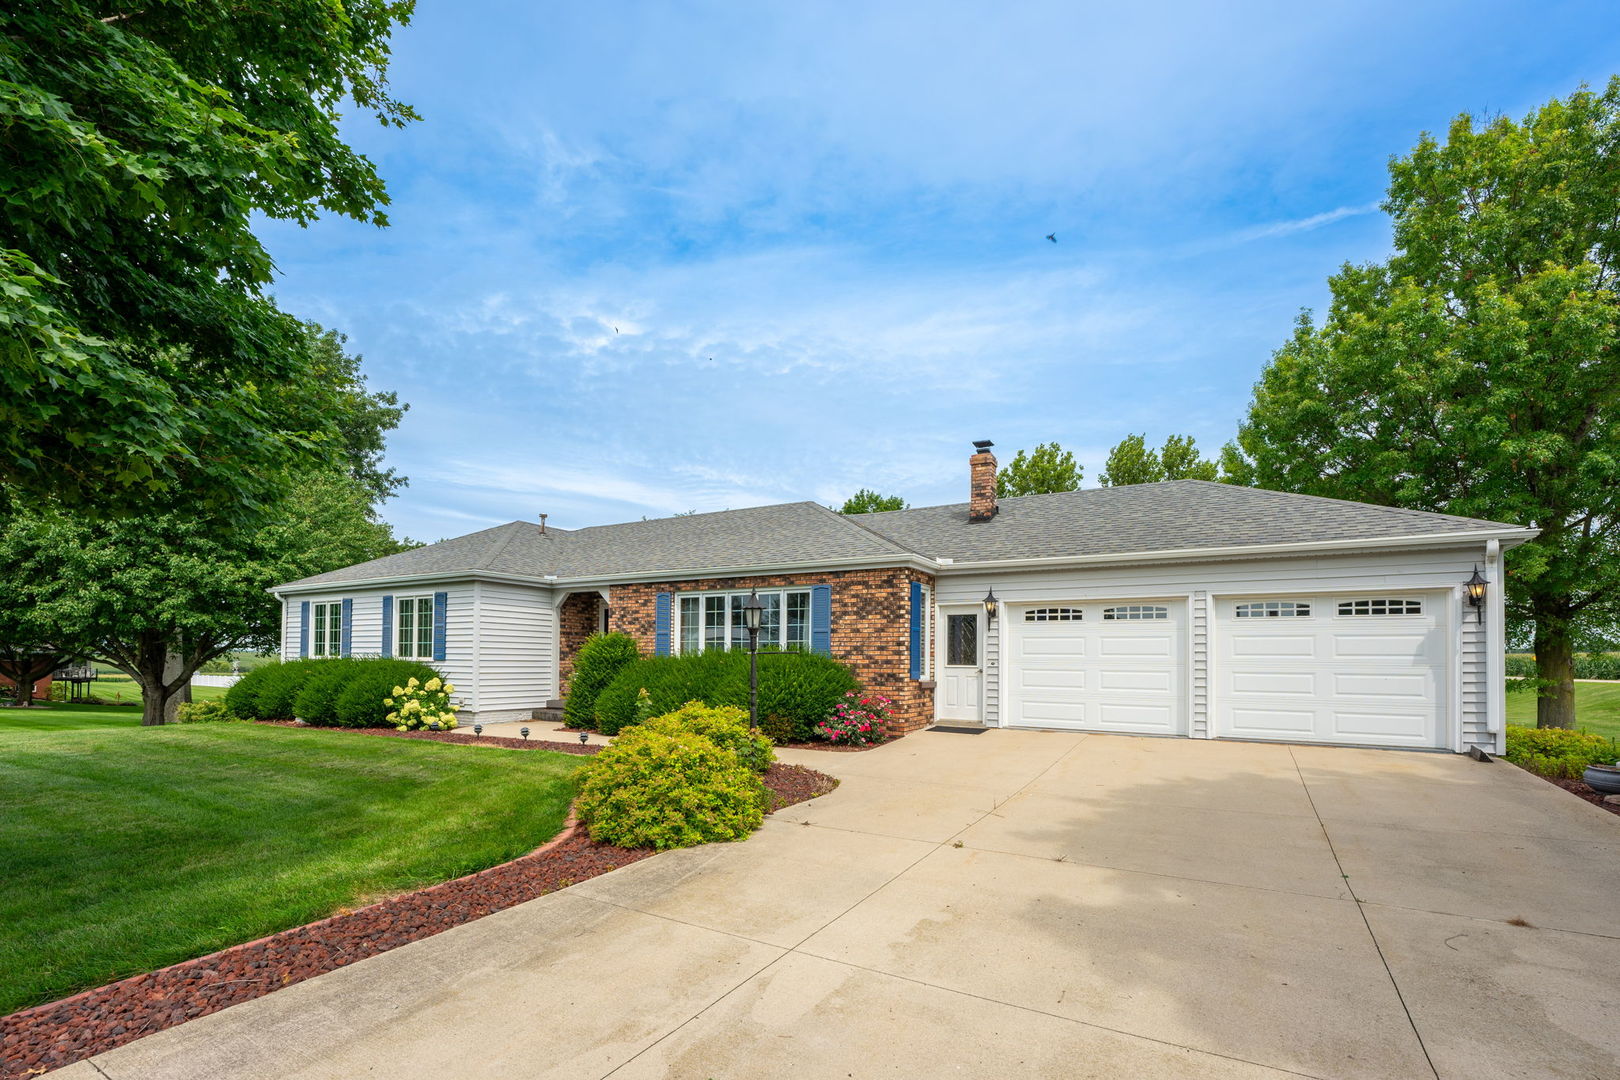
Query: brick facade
x=579 y=617
x=42 y=689
x=871 y=626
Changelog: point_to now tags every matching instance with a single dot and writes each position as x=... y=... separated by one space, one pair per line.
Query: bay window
x=715 y=620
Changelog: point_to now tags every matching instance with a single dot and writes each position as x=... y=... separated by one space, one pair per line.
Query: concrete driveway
x=1018 y=904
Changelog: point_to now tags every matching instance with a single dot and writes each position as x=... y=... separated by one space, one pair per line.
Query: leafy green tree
x=1475 y=371
x=1132 y=461
x=867 y=501
x=1047 y=469
x=139 y=356
x=159 y=595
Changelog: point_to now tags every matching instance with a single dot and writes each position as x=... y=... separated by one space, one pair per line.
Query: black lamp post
x=753 y=611
x=991 y=603
x=1476 y=592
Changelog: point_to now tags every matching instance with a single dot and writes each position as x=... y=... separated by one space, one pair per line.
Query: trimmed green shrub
x=724 y=725
x=800 y=689
x=329 y=692
x=198 y=712
x=596 y=664
x=650 y=789
x=1557 y=752
x=361 y=703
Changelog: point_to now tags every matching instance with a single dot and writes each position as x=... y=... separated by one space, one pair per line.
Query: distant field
x=119 y=689
x=1597 y=707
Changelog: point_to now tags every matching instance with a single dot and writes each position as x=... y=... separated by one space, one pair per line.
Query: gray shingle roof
x=1144 y=518
x=762 y=536
x=1141 y=519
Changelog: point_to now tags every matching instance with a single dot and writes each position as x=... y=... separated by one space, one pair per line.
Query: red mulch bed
x=1585 y=791
x=50 y=1036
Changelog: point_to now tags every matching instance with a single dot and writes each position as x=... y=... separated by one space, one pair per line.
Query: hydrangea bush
x=418 y=705
x=858 y=720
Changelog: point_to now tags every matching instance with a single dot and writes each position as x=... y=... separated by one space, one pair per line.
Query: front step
x=550 y=714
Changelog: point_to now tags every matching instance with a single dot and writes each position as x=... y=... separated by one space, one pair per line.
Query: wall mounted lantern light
x=991 y=604
x=1476 y=592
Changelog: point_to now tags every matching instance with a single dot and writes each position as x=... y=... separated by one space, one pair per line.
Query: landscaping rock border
x=465 y=737
x=56 y=1034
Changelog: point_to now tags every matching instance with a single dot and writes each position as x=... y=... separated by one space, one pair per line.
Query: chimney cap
x=981 y=445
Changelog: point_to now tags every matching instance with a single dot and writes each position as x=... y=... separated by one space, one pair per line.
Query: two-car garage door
x=1354 y=669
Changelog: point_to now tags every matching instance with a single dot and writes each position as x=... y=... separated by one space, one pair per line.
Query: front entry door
x=962 y=673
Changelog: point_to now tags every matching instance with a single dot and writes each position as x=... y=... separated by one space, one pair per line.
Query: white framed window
x=715 y=620
x=326 y=629
x=413 y=627
x=1053 y=614
x=1135 y=612
x=1274 y=609
x=1381 y=605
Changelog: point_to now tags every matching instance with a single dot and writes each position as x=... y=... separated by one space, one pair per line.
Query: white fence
x=214 y=680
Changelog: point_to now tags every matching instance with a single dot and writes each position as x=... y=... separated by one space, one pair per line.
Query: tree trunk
x=160 y=690
x=1555 y=670
x=22 y=692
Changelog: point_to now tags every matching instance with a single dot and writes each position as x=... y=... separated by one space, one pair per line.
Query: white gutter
x=1506 y=539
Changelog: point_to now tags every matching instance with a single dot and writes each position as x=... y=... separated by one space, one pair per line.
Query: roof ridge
x=849 y=519
x=500 y=549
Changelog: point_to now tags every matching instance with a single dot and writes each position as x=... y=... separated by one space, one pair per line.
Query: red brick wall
x=871 y=626
x=579 y=617
x=42 y=688
x=982 y=489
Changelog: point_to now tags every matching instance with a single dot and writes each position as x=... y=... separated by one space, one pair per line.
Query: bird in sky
x=615 y=329
x=1052 y=236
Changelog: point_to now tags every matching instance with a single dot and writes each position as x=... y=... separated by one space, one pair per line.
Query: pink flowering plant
x=858 y=720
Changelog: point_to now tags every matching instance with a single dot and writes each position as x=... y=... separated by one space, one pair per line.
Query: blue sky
x=654 y=257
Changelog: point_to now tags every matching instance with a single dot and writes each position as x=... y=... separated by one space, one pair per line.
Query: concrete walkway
x=1018 y=904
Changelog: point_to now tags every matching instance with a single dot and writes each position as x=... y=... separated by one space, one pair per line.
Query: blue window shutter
x=348 y=617
x=440 y=602
x=916 y=630
x=388 y=626
x=303 y=629
x=661 y=621
x=821 y=619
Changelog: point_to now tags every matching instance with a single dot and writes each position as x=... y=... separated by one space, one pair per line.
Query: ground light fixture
x=991 y=603
x=523 y=732
x=582 y=738
x=478 y=729
x=1476 y=592
x=434 y=726
x=753 y=612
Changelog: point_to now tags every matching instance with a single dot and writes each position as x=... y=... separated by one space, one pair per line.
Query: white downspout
x=1496 y=645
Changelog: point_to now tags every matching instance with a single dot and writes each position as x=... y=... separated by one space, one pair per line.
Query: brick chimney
x=982 y=491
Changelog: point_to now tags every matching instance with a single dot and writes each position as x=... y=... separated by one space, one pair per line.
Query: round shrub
x=596 y=664
x=198 y=712
x=650 y=789
x=269 y=692
x=361 y=703
x=724 y=725
x=316 y=700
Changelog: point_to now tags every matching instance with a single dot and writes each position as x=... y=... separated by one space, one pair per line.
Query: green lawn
x=1597 y=708
x=123 y=848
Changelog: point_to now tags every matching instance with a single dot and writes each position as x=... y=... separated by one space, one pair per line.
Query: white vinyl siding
x=516 y=648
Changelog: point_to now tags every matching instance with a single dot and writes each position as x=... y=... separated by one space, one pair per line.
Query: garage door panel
x=1273 y=722
x=1375 y=680
x=1157 y=681
x=1291 y=646
x=1296 y=683
x=1093 y=674
x=1052 y=679
x=1416 y=687
x=1146 y=646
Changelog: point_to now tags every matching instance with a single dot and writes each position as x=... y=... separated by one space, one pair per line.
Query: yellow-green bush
x=1558 y=752
x=724 y=725
x=197 y=712
x=660 y=790
x=418 y=705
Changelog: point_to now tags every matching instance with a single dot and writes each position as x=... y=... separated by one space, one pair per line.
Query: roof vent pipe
x=543 y=524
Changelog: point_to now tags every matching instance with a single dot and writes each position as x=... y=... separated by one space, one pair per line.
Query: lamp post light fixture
x=991 y=604
x=753 y=612
x=1476 y=592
